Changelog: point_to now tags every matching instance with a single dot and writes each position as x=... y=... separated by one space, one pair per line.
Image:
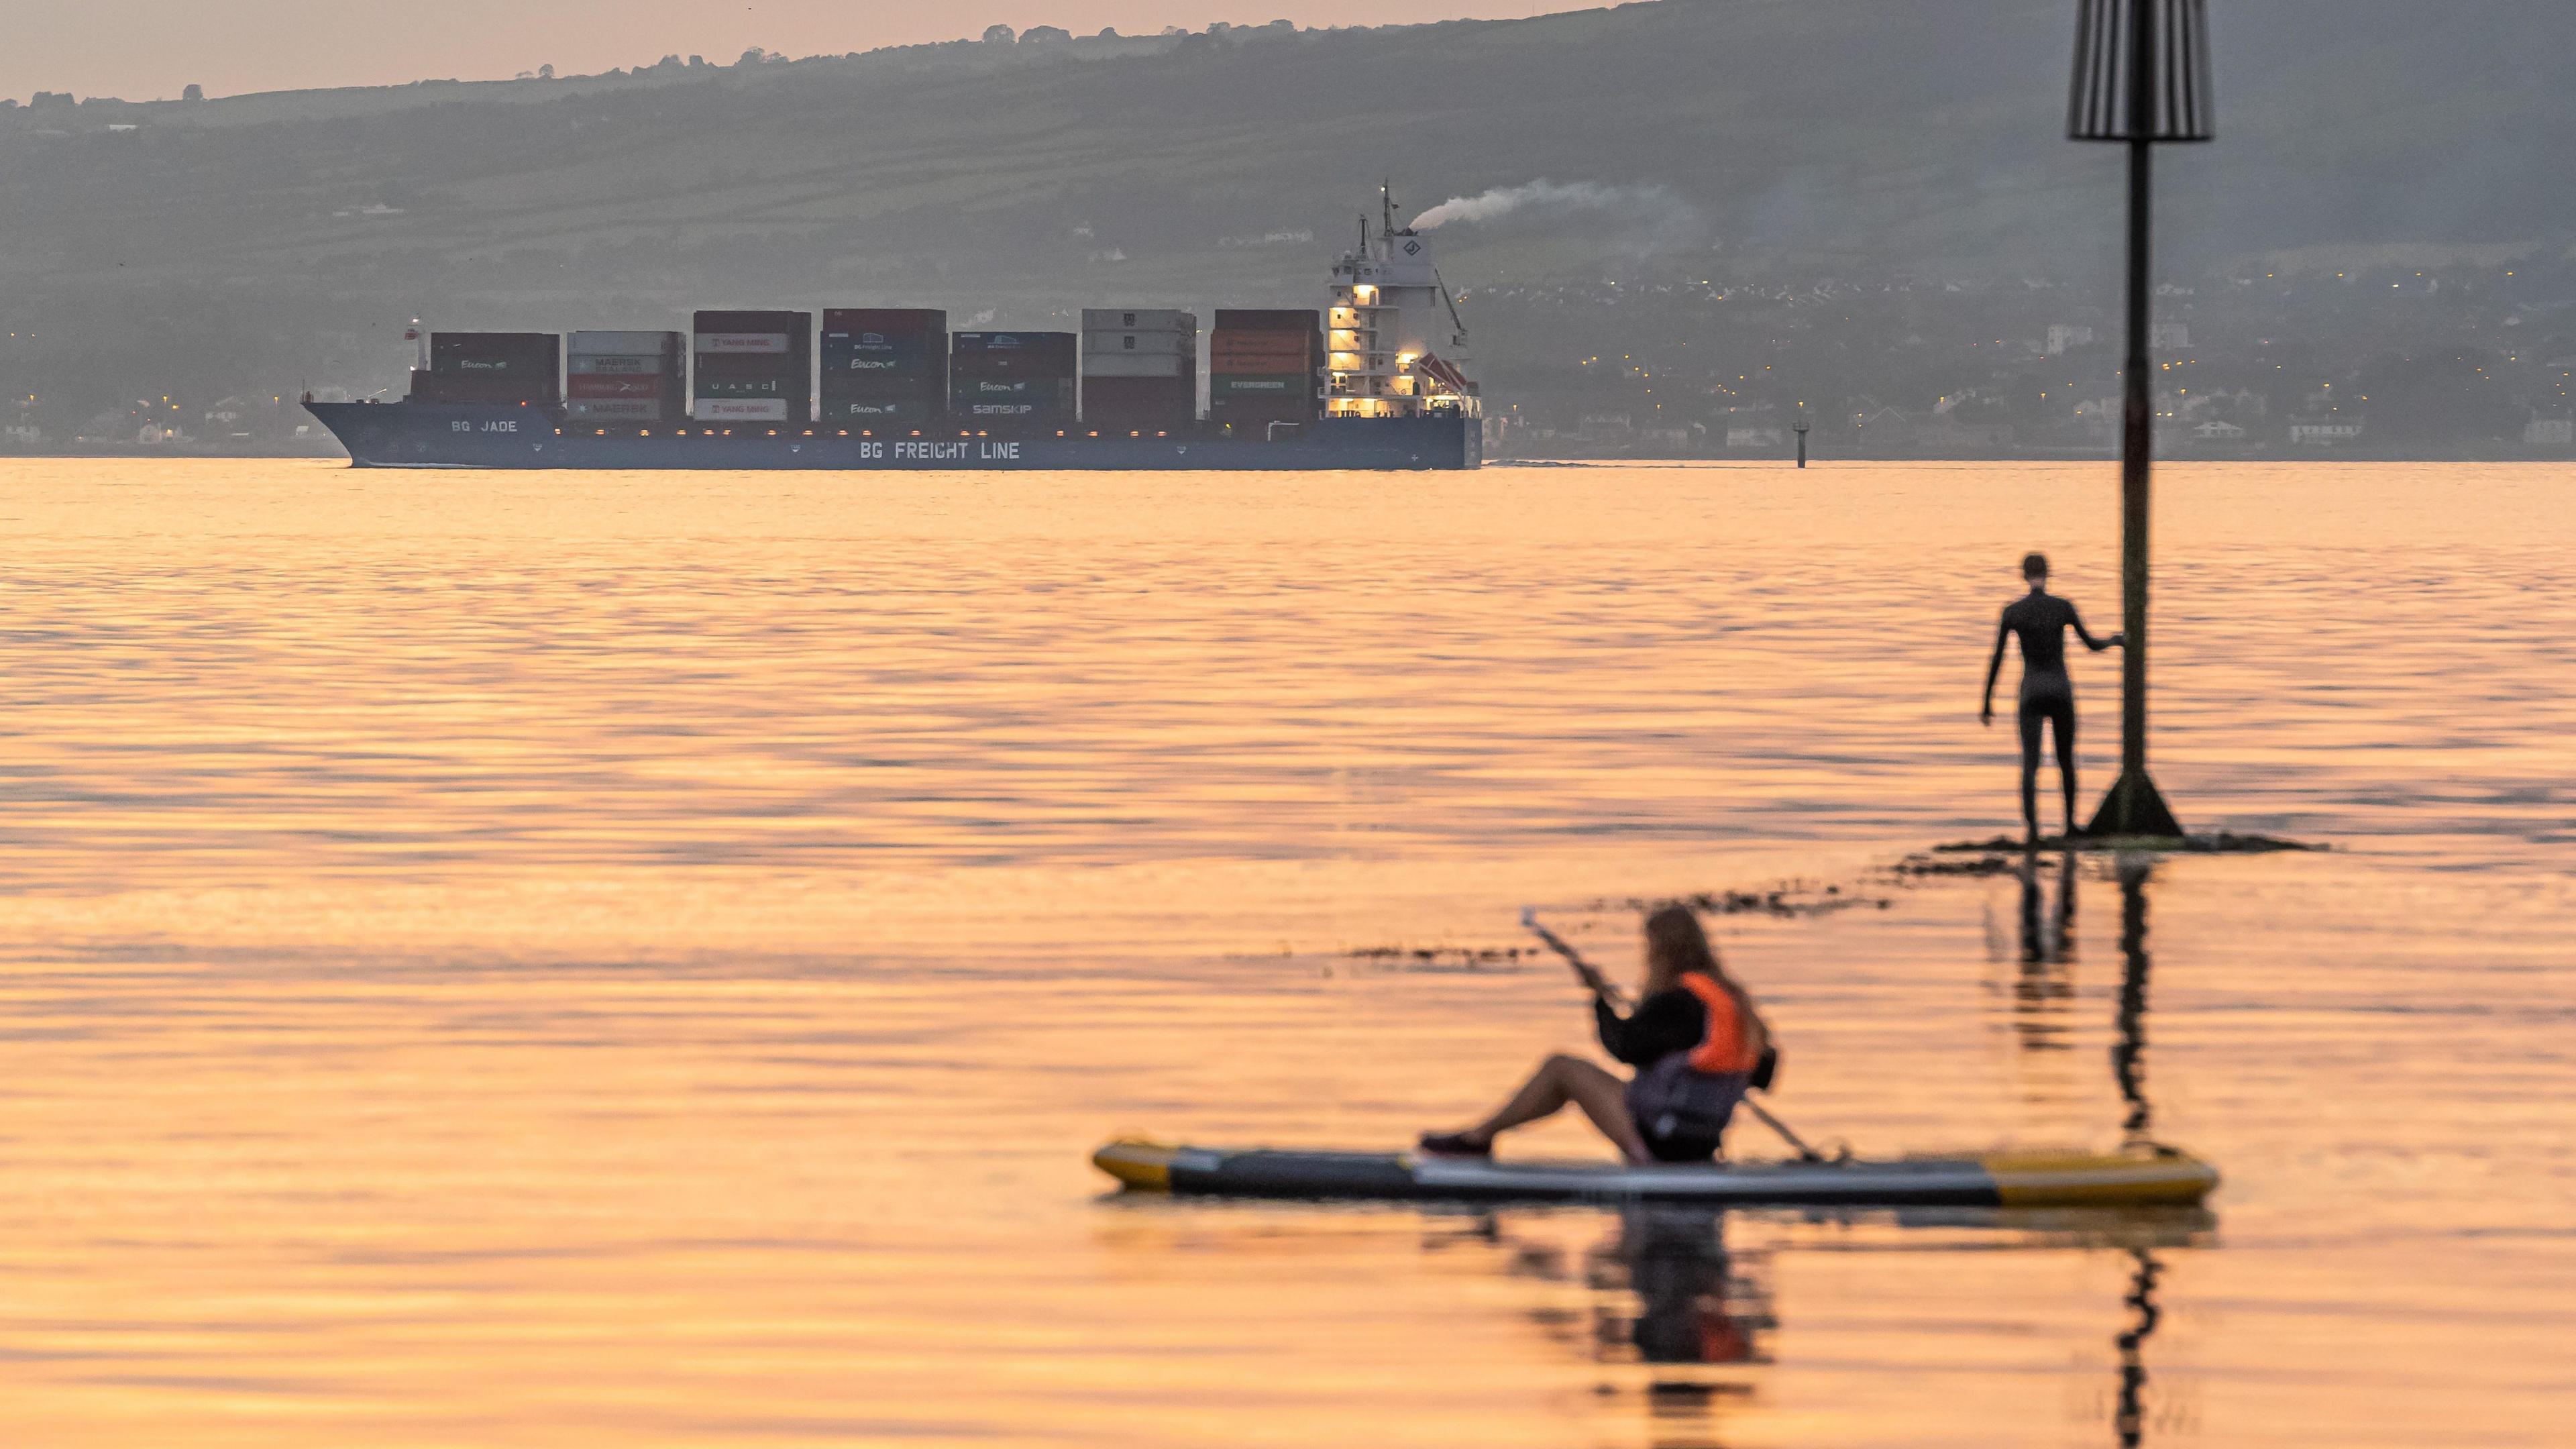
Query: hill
x=264 y=241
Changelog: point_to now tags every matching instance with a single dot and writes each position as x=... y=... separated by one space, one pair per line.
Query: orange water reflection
x=641 y=959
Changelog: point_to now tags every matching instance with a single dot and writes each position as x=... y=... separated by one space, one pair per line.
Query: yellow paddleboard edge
x=1138 y=1165
x=2072 y=1179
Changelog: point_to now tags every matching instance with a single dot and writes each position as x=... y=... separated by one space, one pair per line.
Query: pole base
x=2135 y=808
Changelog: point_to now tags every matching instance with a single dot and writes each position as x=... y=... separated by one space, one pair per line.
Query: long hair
x=1676 y=946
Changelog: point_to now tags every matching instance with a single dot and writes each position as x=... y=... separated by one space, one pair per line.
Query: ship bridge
x=1394 y=345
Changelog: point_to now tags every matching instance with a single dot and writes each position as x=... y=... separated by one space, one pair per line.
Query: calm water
x=640 y=960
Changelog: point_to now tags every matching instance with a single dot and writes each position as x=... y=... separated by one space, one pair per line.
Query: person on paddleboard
x=1695 y=1040
x=2040 y=620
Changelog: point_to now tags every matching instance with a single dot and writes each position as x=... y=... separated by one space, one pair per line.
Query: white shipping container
x=610 y=365
x=712 y=344
x=614 y=410
x=739 y=410
x=1138 y=319
x=620 y=344
x=1138 y=364
x=1167 y=344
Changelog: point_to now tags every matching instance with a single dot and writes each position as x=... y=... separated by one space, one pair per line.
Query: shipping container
x=1142 y=364
x=626 y=344
x=782 y=388
x=1140 y=404
x=1253 y=384
x=599 y=385
x=745 y=344
x=624 y=364
x=740 y=410
x=1029 y=344
x=512 y=353
x=878 y=364
x=482 y=388
x=1035 y=400
x=1223 y=342
x=1011 y=364
x=754 y=357
x=874 y=411
x=794 y=324
x=1273 y=319
x=1138 y=319
x=997 y=389
x=1167 y=344
x=884 y=321
x=620 y=412
x=1290 y=360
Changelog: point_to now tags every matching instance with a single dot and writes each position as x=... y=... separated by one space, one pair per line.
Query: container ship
x=1375 y=381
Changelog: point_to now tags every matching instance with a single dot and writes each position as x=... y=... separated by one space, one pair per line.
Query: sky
x=153 y=49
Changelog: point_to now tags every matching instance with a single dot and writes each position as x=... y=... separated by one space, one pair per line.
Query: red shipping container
x=600 y=385
x=1266 y=319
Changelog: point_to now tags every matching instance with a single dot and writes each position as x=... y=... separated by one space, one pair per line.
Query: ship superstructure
x=1395 y=346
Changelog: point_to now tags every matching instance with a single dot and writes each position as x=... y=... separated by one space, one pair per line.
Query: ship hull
x=417 y=435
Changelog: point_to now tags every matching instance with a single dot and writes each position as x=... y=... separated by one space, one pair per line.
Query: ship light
x=643 y=432
x=1095 y=433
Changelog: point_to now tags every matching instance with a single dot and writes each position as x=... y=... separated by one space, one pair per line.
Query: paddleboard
x=2147 y=1176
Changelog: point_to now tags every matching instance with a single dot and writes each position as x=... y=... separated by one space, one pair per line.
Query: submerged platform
x=2146 y=1177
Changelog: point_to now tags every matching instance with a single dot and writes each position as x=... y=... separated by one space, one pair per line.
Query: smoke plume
x=1551 y=198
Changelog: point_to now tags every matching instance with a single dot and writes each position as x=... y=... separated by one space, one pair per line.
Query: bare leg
x=2029 y=720
x=2062 y=725
x=1561 y=1080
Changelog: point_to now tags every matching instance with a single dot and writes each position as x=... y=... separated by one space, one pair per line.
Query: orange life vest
x=1726 y=1049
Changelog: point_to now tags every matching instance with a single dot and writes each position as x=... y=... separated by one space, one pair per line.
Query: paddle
x=1599 y=985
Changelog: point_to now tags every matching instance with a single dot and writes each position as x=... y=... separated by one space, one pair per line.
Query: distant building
x=2323 y=434
x=1757 y=436
x=2168 y=336
x=2551 y=433
x=2063 y=335
x=2218 y=431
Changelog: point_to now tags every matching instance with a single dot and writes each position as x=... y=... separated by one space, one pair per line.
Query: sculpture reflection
x=2128 y=1418
x=2043 y=986
x=2129 y=1046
